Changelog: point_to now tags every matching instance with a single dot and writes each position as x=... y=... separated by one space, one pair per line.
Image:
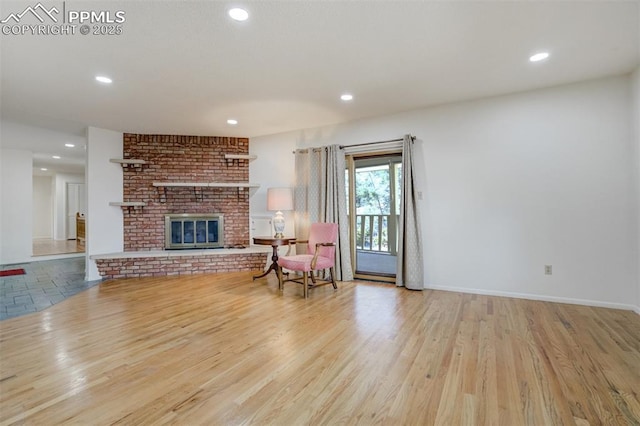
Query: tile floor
x=44 y=284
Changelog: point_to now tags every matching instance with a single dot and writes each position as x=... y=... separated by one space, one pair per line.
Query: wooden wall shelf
x=240 y=157
x=127 y=203
x=237 y=158
x=127 y=161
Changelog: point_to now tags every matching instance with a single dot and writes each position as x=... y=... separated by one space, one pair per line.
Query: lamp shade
x=279 y=199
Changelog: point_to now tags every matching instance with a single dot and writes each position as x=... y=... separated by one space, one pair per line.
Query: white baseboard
x=572 y=301
x=15 y=261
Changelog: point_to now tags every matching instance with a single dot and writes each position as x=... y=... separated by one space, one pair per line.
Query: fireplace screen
x=184 y=231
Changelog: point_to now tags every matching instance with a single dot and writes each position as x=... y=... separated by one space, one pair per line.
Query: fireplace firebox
x=193 y=230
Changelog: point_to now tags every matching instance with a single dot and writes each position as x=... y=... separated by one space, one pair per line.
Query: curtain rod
x=413 y=138
x=306 y=150
x=375 y=143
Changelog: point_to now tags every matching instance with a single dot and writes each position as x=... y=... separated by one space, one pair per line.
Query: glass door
x=374 y=184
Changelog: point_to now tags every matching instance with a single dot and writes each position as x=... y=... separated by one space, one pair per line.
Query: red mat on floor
x=10 y=272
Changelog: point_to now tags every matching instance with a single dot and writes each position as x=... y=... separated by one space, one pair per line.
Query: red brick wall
x=182 y=265
x=183 y=159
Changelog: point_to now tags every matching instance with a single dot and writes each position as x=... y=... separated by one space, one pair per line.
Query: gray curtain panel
x=303 y=201
x=320 y=196
x=410 y=273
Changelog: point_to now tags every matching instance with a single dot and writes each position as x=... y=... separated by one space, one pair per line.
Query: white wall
x=635 y=114
x=29 y=138
x=42 y=207
x=272 y=169
x=104 y=223
x=513 y=183
x=16 y=186
x=17 y=137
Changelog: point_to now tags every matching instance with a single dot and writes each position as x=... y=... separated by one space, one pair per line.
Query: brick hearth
x=180 y=262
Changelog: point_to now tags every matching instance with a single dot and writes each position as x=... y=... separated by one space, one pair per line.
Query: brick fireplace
x=171 y=175
x=183 y=159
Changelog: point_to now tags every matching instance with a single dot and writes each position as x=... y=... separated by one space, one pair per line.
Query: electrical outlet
x=548 y=270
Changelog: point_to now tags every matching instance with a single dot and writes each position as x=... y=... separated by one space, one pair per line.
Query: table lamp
x=279 y=199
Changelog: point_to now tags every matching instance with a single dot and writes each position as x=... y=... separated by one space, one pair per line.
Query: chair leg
x=305 y=281
x=333 y=278
x=280 y=283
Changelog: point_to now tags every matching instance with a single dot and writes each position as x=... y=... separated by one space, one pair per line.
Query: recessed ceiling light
x=103 y=79
x=69 y=145
x=346 y=97
x=57 y=157
x=43 y=169
x=238 y=14
x=232 y=121
x=539 y=56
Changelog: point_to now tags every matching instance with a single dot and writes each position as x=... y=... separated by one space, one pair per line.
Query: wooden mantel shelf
x=197 y=187
x=207 y=184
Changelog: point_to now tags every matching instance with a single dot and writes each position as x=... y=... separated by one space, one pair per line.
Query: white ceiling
x=184 y=67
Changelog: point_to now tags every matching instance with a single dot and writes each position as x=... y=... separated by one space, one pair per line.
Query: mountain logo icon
x=39 y=11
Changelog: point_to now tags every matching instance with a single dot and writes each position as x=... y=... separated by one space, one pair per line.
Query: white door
x=75 y=204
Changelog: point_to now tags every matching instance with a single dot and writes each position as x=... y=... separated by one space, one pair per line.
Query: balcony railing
x=376 y=233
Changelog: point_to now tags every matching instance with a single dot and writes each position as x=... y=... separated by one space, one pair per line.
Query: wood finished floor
x=47 y=247
x=222 y=349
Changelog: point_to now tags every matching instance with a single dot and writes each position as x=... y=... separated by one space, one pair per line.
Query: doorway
x=75 y=203
x=53 y=215
x=44 y=195
x=374 y=182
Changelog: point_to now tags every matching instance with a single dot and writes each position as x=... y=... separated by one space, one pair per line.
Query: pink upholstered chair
x=321 y=249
